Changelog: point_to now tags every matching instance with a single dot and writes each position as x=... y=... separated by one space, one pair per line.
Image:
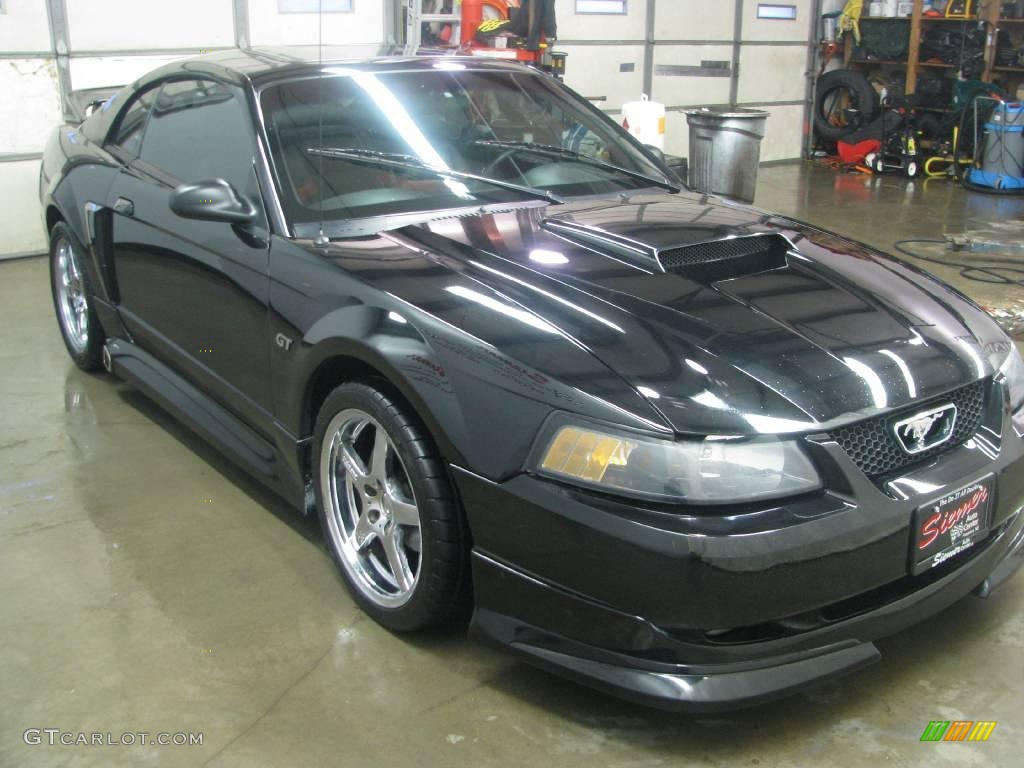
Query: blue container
x=1002 y=160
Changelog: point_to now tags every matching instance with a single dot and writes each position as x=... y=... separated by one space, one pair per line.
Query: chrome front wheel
x=388 y=509
x=72 y=299
x=69 y=289
x=372 y=516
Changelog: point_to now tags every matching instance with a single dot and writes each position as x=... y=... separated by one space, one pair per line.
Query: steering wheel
x=496 y=162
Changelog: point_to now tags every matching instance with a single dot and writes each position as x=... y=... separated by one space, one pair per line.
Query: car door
x=194 y=293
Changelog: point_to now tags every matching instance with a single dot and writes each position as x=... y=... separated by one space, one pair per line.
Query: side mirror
x=658 y=153
x=675 y=167
x=214 y=200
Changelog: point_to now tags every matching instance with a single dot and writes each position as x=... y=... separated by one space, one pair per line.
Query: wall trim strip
x=60 y=41
x=20 y=157
x=737 y=36
x=240 y=15
x=648 y=85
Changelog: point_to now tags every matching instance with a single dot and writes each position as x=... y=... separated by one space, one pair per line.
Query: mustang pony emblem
x=926 y=430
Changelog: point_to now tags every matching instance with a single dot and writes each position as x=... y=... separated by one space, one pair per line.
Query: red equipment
x=473 y=16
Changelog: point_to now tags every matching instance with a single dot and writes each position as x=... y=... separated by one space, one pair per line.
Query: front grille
x=725 y=259
x=872 y=443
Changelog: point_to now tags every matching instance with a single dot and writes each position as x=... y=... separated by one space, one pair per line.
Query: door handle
x=124 y=206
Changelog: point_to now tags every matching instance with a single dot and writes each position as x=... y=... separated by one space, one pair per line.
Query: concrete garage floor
x=149 y=586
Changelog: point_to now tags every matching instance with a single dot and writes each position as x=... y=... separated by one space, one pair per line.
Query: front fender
x=483 y=381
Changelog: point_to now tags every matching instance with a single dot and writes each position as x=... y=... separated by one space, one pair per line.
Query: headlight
x=696 y=471
x=1012 y=372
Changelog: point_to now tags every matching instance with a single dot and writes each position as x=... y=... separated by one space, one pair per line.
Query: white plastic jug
x=645 y=119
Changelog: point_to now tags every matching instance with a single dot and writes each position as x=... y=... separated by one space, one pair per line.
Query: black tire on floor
x=87 y=356
x=829 y=123
x=929 y=128
x=442 y=588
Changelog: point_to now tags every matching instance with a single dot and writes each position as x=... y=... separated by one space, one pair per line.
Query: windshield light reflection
x=401 y=120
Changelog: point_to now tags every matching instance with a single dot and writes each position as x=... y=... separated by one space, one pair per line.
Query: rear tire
x=73 y=300
x=387 y=510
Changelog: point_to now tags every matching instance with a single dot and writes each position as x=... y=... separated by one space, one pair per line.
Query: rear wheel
x=72 y=299
x=387 y=510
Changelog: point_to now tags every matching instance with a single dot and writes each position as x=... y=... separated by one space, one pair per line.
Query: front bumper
x=716 y=612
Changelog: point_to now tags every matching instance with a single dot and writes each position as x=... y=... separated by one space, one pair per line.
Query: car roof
x=263 y=65
x=256 y=67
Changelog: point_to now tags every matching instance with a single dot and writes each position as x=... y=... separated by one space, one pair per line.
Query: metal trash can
x=725 y=150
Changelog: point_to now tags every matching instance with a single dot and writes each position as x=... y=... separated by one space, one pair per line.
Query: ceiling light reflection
x=979 y=364
x=517 y=314
x=872 y=379
x=905 y=370
x=550 y=258
x=697 y=367
x=769 y=425
x=710 y=400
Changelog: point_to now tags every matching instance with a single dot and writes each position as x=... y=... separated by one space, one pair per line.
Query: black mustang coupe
x=678 y=448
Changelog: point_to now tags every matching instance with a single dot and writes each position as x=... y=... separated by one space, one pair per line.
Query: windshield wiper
x=549 y=149
x=398 y=160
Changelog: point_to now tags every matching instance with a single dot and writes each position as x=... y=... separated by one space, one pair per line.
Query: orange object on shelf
x=473 y=16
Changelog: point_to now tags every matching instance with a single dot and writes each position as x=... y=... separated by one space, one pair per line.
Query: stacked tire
x=845 y=102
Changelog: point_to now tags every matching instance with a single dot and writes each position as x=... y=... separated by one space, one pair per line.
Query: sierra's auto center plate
x=951 y=525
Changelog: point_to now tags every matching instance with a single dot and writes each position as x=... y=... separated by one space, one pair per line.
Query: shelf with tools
x=1006 y=59
x=941 y=62
x=917 y=49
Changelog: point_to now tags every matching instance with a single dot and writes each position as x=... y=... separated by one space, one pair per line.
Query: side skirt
x=207 y=418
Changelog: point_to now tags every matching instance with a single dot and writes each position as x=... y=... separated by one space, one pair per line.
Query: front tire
x=73 y=300
x=387 y=510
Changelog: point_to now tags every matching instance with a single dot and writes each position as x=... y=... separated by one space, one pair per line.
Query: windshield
x=519 y=128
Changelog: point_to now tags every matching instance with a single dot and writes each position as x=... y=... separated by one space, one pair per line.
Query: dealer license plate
x=951 y=525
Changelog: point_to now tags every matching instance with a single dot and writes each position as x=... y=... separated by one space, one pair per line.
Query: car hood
x=821 y=331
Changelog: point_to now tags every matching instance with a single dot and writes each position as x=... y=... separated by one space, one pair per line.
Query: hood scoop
x=716 y=260
x=624 y=249
x=705 y=262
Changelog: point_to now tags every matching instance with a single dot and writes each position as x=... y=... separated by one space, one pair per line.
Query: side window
x=200 y=130
x=127 y=135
